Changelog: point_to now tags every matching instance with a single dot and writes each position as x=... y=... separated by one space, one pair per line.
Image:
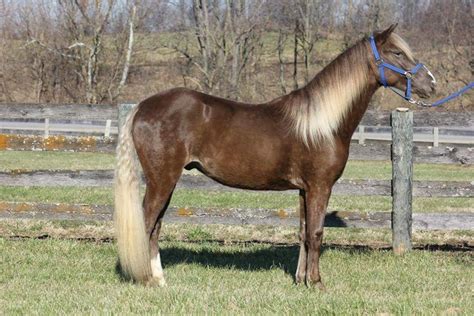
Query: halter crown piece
x=408 y=74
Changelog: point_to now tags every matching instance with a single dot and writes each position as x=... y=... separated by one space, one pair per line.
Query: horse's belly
x=246 y=177
x=254 y=184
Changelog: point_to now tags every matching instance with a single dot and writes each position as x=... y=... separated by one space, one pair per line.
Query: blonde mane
x=316 y=111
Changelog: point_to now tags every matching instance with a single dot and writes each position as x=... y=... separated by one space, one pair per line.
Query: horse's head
x=393 y=50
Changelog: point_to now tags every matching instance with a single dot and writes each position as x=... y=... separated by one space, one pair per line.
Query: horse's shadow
x=282 y=257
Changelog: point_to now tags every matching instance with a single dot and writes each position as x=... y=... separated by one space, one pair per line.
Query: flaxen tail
x=132 y=240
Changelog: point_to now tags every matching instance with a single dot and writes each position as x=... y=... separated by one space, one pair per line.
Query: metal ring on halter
x=424 y=104
x=408 y=75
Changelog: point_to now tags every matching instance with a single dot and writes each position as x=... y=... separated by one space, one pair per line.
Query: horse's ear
x=384 y=35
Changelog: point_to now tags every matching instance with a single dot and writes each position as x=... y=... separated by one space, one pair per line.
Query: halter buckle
x=424 y=104
x=379 y=62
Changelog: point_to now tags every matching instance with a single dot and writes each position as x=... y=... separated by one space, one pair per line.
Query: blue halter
x=408 y=74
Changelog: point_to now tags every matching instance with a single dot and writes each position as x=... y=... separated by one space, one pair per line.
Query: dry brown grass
x=103 y=231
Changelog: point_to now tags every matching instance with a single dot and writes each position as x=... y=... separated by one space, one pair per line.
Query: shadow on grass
x=283 y=257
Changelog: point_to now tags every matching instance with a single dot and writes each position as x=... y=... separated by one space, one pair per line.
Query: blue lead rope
x=381 y=64
x=454 y=95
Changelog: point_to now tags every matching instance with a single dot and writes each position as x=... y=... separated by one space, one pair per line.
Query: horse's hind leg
x=155 y=203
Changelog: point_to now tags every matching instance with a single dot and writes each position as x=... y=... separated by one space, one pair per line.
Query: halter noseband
x=408 y=74
x=381 y=64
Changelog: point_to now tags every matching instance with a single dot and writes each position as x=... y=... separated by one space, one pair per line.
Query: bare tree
x=303 y=18
x=5 y=31
x=227 y=35
x=307 y=30
x=105 y=50
x=80 y=46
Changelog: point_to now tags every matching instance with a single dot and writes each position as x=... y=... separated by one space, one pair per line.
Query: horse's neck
x=358 y=109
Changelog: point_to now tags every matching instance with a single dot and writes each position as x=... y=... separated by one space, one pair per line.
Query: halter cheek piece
x=408 y=74
x=381 y=65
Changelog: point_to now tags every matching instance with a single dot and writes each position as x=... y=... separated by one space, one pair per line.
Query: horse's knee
x=313 y=239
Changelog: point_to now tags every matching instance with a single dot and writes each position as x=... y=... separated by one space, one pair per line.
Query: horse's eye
x=398 y=54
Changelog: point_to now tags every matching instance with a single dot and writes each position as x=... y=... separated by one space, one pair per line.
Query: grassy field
x=69 y=277
x=218 y=269
x=158 y=48
x=242 y=199
x=10 y=160
x=381 y=170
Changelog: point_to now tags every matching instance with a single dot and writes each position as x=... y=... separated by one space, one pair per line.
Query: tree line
x=102 y=51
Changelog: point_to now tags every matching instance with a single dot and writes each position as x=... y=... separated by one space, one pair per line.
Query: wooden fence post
x=361 y=134
x=108 y=125
x=435 y=136
x=46 y=127
x=402 y=179
x=123 y=110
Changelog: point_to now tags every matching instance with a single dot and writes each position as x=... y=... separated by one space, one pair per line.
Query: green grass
x=244 y=199
x=380 y=170
x=70 y=277
x=187 y=198
x=49 y=160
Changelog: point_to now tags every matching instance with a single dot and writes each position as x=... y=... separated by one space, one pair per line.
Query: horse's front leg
x=316 y=203
x=301 y=270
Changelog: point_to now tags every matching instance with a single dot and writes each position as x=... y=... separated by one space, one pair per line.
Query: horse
x=298 y=141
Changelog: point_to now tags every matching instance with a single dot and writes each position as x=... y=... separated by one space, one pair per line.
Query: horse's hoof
x=156 y=282
x=320 y=286
x=316 y=285
x=299 y=279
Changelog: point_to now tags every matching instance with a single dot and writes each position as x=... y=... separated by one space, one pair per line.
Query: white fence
x=430 y=135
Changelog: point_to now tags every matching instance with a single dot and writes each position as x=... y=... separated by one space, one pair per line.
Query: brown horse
x=298 y=141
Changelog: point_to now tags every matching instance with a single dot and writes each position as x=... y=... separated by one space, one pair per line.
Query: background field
x=231 y=269
x=380 y=170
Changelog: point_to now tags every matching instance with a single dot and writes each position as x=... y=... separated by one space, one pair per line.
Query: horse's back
x=182 y=106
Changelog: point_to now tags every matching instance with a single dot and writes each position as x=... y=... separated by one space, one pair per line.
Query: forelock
x=397 y=41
